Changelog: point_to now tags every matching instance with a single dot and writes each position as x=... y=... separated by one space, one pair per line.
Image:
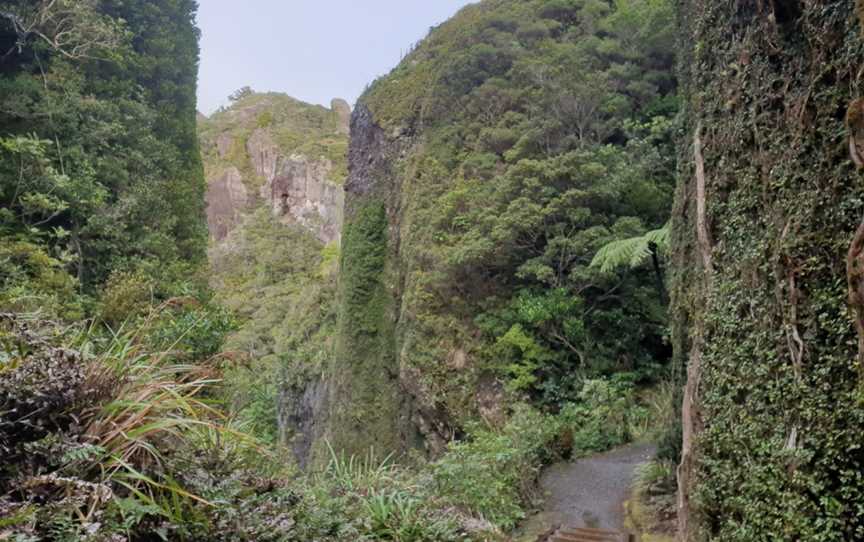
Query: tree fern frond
x=662 y=237
x=631 y=252
x=619 y=253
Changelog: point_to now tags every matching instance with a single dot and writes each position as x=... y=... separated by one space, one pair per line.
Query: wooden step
x=580 y=534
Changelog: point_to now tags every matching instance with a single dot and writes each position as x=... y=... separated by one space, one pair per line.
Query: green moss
x=778 y=418
x=366 y=402
x=363 y=259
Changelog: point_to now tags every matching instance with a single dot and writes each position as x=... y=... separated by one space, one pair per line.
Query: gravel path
x=589 y=492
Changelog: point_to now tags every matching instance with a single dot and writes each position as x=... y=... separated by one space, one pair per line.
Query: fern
x=632 y=252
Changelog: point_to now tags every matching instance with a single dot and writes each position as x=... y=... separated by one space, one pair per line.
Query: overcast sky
x=314 y=50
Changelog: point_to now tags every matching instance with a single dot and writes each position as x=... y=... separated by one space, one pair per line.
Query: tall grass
x=150 y=404
x=352 y=473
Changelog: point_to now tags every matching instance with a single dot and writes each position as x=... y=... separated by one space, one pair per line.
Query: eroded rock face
x=263 y=153
x=227 y=199
x=296 y=188
x=223 y=145
x=301 y=192
x=298 y=418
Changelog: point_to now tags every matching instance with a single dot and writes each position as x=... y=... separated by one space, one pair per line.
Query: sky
x=313 y=50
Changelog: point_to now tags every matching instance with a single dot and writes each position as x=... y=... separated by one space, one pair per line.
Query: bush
x=607 y=415
x=126 y=295
x=41 y=389
x=90 y=420
x=493 y=473
x=190 y=329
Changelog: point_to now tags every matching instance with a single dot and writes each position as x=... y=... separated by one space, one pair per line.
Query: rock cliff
x=270 y=150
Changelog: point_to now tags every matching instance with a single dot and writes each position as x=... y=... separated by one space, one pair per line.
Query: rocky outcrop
x=263 y=153
x=368 y=407
x=227 y=200
x=299 y=418
x=343 y=110
x=299 y=191
x=297 y=187
x=224 y=144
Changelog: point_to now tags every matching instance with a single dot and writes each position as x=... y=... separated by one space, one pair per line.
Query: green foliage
x=197 y=330
x=74 y=29
x=280 y=282
x=34 y=281
x=633 y=252
x=90 y=417
x=607 y=415
x=368 y=396
x=126 y=296
x=362 y=268
x=492 y=474
x=778 y=421
x=537 y=132
x=136 y=440
x=99 y=164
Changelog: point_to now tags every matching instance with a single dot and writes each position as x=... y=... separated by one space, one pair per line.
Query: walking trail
x=588 y=492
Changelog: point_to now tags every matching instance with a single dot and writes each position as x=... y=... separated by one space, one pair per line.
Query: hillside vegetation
x=272 y=271
x=555 y=228
x=146 y=395
x=100 y=172
x=504 y=152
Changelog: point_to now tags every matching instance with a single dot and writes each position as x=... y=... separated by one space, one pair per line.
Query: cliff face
x=368 y=408
x=270 y=150
x=765 y=228
x=275 y=170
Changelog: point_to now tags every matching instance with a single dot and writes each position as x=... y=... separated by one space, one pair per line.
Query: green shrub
x=126 y=295
x=607 y=415
x=194 y=330
x=492 y=474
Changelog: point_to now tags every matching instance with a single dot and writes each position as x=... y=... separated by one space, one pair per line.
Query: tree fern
x=632 y=252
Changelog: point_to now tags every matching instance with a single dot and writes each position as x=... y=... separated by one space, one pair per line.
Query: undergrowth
x=106 y=438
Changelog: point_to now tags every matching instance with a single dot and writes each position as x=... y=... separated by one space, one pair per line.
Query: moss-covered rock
x=272 y=150
x=767 y=205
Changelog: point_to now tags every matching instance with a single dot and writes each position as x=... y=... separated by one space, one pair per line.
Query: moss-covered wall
x=767 y=206
x=366 y=409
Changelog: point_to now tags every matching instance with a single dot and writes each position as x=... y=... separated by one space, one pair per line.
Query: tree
x=240 y=94
x=100 y=166
x=635 y=252
x=73 y=28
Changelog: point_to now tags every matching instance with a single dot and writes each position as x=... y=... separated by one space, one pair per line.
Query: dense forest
x=557 y=228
